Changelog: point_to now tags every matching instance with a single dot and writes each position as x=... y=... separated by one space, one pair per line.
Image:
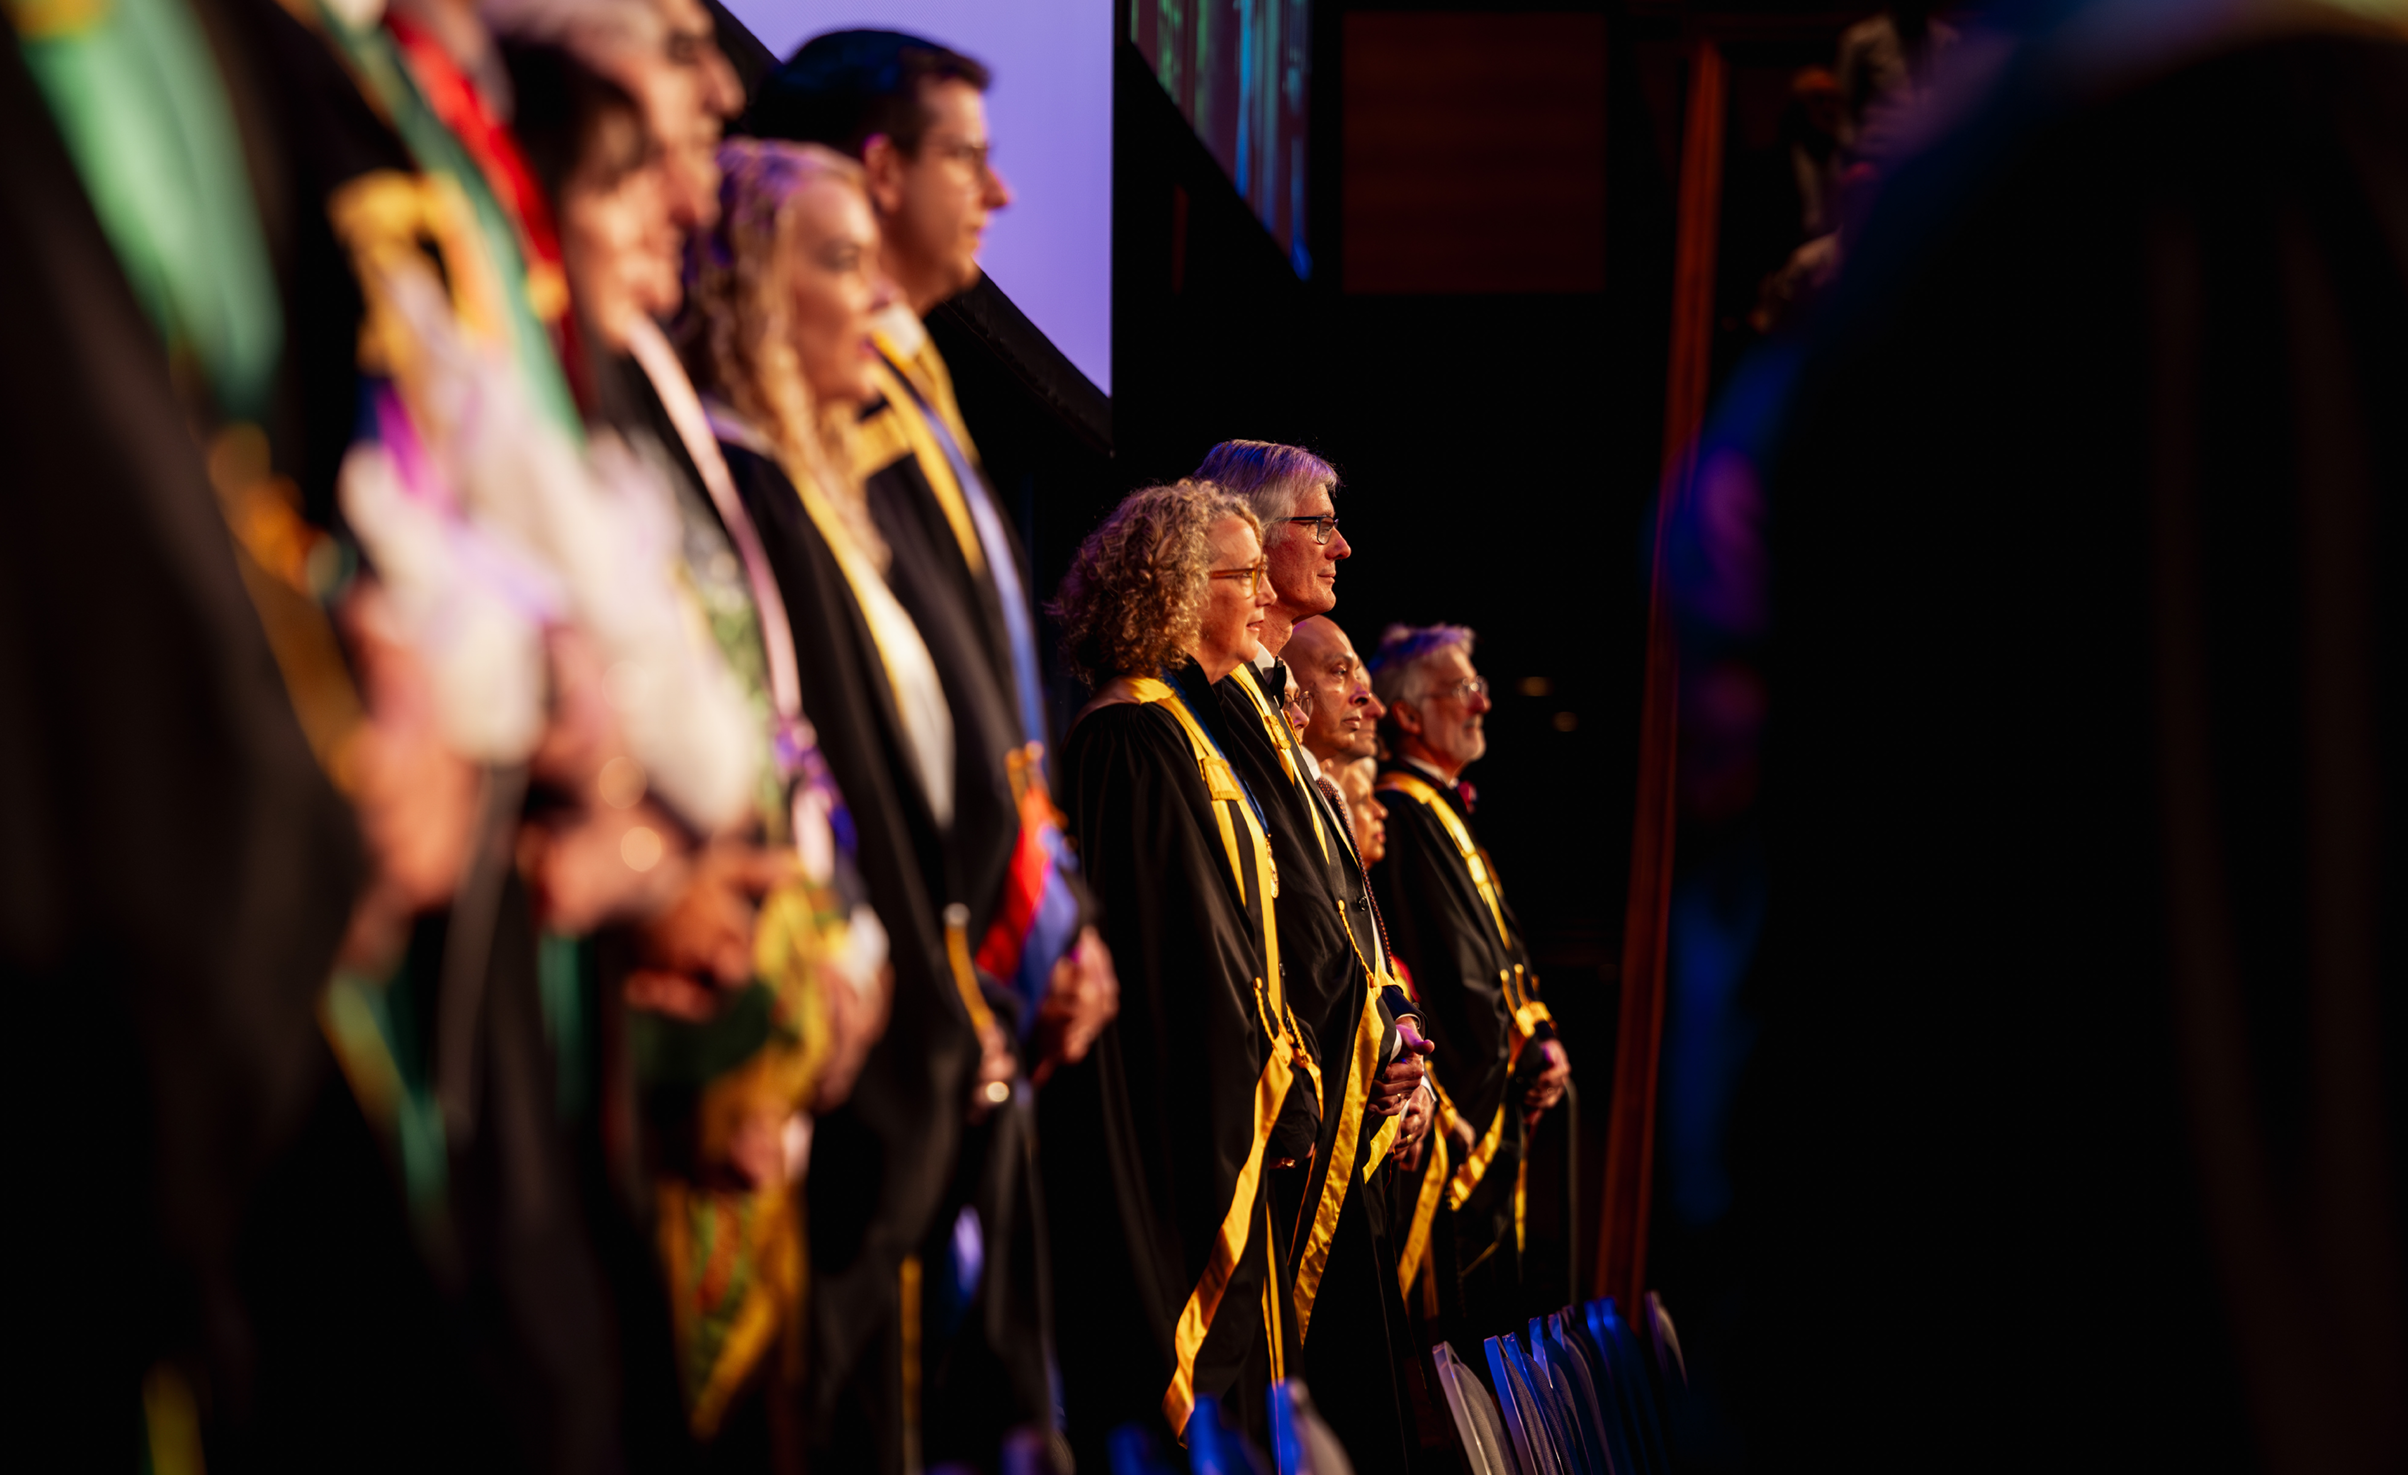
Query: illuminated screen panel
x=1241 y=72
x=1050 y=114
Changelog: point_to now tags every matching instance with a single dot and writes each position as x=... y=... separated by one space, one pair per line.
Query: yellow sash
x=1425 y=1206
x=1271 y=1088
x=1397 y=782
x=1313 y=1256
x=902 y=412
x=1283 y=738
x=927 y=372
x=1528 y=1013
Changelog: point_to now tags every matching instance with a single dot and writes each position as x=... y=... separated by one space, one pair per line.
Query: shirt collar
x=902 y=330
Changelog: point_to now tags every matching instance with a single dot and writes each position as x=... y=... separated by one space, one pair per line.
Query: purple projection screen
x=1241 y=70
x=1050 y=112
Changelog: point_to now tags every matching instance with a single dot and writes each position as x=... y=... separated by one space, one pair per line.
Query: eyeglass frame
x=1260 y=572
x=1325 y=526
x=1466 y=689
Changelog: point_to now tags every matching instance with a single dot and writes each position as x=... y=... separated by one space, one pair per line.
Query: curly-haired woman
x=780 y=292
x=1160 y=1149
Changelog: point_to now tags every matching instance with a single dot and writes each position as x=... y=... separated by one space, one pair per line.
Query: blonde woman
x=1160 y=1150
x=779 y=293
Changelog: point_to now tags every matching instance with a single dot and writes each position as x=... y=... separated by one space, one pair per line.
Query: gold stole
x=881 y=612
x=901 y=429
x=1229 y=808
x=928 y=374
x=1346 y=1148
x=1528 y=1012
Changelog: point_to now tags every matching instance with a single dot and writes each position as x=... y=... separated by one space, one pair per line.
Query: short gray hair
x=1400 y=668
x=1271 y=478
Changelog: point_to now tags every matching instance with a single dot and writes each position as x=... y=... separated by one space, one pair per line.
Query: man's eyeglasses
x=1464 y=690
x=1253 y=576
x=976 y=157
x=1324 y=527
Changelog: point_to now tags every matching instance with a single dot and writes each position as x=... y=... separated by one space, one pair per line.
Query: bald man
x=1344 y=713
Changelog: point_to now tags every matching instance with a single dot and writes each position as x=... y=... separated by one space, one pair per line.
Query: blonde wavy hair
x=734 y=332
x=1133 y=601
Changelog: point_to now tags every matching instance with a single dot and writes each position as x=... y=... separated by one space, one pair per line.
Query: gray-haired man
x=1368 y=1037
x=1499 y=1065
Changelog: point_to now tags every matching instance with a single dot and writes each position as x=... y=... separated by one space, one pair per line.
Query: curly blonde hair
x=1133 y=601
x=734 y=332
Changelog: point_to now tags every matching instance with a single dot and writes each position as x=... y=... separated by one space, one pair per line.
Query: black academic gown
x=1326 y=944
x=496 y=1338
x=487 y=1343
x=2082 y=977
x=931 y=580
x=900 y=492
x=882 y=1165
x=1464 y=976
x=177 y=870
x=1146 y=1138
x=988 y=1362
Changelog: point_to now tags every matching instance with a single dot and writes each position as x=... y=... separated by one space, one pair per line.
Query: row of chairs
x=1579 y=1395
x=1301 y=1444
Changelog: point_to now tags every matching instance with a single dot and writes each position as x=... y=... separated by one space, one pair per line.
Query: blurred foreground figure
x=912 y=112
x=780 y=293
x=179 y=873
x=2076 y=1130
x=759 y=987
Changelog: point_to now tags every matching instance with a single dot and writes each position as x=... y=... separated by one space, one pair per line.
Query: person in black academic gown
x=751 y=997
x=1158 y=1147
x=779 y=296
x=464 y=1320
x=180 y=872
x=1366 y=1031
x=1499 y=1065
x=913 y=113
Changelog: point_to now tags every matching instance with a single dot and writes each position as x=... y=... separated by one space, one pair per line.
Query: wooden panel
x=1474 y=152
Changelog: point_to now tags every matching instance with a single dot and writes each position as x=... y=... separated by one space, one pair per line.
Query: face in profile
x=1296 y=706
x=1452 y=712
x=1369 y=820
x=688 y=91
x=1345 y=715
x=618 y=243
x=831 y=263
x=948 y=189
x=1234 y=600
x=1305 y=572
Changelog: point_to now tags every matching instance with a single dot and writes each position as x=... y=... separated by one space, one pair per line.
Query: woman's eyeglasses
x=1253 y=576
x=1324 y=526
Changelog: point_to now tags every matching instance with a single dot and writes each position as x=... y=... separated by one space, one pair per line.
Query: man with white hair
x=1369 y=1041
x=1499 y=1065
